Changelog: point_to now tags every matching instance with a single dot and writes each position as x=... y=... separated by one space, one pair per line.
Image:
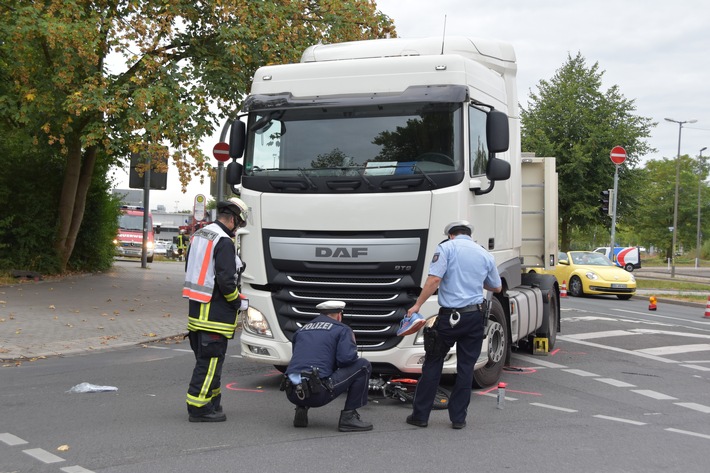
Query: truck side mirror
x=157 y=228
x=237 y=139
x=497 y=131
x=234 y=173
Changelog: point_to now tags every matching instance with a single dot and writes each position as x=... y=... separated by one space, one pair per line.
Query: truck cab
x=354 y=161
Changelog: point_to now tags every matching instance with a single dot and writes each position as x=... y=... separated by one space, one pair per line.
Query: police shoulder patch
x=435 y=258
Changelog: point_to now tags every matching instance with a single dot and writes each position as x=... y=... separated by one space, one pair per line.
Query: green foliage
x=94 y=249
x=653 y=217
x=28 y=194
x=96 y=80
x=30 y=182
x=572 y=119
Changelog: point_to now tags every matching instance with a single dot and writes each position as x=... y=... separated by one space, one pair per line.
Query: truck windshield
x=131 y=222
x=416 y=143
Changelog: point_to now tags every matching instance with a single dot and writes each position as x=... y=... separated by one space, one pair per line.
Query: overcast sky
x=657 y=52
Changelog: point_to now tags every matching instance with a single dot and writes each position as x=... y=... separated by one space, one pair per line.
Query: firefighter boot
x=301 y=417
x=350 y=422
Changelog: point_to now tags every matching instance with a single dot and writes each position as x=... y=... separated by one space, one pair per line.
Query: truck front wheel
x=498 y=348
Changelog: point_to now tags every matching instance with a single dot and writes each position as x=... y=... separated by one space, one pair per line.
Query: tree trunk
x=72 y=201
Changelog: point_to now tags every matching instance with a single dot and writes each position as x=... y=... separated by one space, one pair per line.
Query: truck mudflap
x=550 y=290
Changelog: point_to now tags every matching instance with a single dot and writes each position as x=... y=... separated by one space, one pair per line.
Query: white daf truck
x=352 y=163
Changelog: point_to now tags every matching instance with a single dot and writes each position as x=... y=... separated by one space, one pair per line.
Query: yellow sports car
x=587 y=272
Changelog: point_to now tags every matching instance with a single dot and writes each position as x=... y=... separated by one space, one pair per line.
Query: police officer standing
x=211 y=284
x=324 y=365
x=460 y=270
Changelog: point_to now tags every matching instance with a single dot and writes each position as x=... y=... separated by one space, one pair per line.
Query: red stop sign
x=618 y=155
x=221 y=151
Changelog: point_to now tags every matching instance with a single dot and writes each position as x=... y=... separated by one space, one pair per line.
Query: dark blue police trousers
x=353 y=379
x=468 y=336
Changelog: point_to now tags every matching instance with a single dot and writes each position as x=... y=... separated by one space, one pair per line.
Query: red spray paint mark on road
x=233 y=387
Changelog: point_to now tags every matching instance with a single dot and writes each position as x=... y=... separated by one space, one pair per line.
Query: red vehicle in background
x=129 y=240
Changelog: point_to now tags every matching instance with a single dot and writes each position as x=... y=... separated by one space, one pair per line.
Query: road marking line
x=608 y=333
x=694 y=406
x=675 y=349
x=620 y=350
x=581 y=373
x=43 y=455
x=687 y=432
x=654 y=394
x=556 y=408
x=11 y=440
x=538 y=362
x=619 y=419
x=616 y=382
x=76 y=469
x=676 y=319
x=696 y=367
x=647 y=331
x=507 y=398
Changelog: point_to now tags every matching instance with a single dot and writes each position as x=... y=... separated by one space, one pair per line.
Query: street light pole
x=677 y=184
x=701 y=166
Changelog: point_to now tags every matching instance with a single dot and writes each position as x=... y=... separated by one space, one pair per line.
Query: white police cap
x=458 y=223
x=331 y=306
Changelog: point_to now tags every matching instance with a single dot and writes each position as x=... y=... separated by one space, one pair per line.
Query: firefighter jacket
x=211 y=281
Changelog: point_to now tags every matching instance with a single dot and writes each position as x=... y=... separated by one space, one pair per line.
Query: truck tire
x=629 y=267
x=550 y=312
x=498 y=348
x=149 y=259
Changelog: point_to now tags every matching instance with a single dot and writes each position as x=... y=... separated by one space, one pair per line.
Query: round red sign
x=618 y=155
x=221 y=151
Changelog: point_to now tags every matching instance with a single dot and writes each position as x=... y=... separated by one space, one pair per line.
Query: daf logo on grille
x=340 y=252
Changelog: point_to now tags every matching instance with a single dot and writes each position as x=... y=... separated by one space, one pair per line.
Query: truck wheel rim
x=496 y=344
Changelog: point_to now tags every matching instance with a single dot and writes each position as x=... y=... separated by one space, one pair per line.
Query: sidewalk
x=125 y=306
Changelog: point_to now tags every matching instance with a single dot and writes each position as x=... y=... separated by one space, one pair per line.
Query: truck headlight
x=255 y=323
x=419 y=340
x=149 y=245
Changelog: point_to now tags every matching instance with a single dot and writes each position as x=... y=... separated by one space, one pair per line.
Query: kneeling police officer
x=324 y=365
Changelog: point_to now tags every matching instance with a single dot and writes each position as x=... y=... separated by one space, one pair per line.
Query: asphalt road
x=624 y=390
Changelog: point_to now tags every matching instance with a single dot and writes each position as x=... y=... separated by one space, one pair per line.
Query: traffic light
x=604 y=198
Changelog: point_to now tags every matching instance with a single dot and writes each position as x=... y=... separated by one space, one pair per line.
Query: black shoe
x=301 y=417
x=458 y=425
x=211 y=417
x=419 y=423
x=218 y=409
x=350 y=422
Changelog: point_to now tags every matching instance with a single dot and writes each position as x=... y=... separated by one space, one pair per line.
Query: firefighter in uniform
x=324 y=365
x=460 y=270
x=182 y=242
x=211 y=283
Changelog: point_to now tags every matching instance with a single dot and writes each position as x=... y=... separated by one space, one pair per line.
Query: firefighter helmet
x=235 y=206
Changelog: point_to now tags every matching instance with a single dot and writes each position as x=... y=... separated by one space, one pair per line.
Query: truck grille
x=377 y=297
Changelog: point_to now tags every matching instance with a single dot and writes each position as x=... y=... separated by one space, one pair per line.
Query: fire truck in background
x=129 y=240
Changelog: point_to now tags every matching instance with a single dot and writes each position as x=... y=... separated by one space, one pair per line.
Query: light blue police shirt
x=463 y=266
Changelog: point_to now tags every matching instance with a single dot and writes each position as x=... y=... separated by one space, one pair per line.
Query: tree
x=654 y=212
x=571 y=119
x=99 y=79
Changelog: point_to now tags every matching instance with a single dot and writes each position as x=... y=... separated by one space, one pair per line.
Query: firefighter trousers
x=204 y=394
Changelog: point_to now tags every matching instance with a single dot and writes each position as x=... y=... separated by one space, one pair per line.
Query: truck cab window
x=478 y=148
x=347 y=142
